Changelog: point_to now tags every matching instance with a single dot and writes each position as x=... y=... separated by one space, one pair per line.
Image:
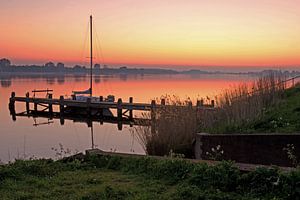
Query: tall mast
x=91 y=71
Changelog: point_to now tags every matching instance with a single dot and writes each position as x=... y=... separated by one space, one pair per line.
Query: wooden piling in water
x=120 y=125
x=130 y=110
x=61 y=110
x=88 y=103
x=27 y=103
x=11 y=106
x=12 y=101
x=62 y=120
x=50 y=104
x=61 y=105
x=101 y=109
x=119 y=109
x=91 y=107
x=153 y=116
x=119 y=113
x=212 y=103
x=35 y=106
x=153 y=105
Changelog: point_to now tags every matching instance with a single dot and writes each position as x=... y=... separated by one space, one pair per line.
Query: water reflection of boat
x=87 y=95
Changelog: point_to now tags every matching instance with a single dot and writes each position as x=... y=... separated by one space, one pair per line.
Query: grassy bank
x=113 y=177
x=281 y=118
x=267 y=105
x=268 y=108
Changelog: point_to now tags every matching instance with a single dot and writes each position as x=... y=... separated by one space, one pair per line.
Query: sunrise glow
x=171 y=32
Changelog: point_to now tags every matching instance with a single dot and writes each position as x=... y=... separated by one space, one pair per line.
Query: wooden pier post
x=101 y=109
x=50 y=104
x=130 y=110
x=153 y=116
x=119 y=109
x=12 y=106
x=61 y=105
x=35 y=106
x=88 y=104
x=120 y=125
x=153 y=105
x=62 y=120
x=61 y=110
x=163 y=102
x=27 y=103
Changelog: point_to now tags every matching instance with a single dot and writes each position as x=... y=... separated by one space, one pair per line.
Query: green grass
x=113 y=177
x=81 y=184
x=280 y=118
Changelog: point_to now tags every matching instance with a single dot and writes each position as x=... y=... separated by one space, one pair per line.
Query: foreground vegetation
x=113 y=177
x=282 y=118
x=268 y=105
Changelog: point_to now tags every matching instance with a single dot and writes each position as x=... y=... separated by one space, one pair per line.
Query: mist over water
x=25 y=138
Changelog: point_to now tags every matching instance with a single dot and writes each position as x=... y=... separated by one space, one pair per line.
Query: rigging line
x=84 y=47
x=97 y=52
x=98 y=42
x=96 y=58
x=99 y=45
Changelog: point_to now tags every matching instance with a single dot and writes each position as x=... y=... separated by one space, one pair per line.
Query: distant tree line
x=50 y=67
x=59 y=68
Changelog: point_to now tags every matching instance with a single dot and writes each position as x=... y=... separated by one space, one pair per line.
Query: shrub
x=223 y=176
x=260 y=182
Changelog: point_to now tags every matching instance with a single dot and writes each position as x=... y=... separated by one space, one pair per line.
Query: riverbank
x=282 y=117
x=116 y=177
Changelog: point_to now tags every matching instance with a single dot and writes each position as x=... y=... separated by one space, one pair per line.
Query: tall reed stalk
x=243 y=103
x=173 y=128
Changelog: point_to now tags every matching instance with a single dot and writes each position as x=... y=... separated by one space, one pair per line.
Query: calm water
x=21 y=139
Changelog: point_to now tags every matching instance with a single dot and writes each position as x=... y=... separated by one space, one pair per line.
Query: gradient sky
x=191 y=33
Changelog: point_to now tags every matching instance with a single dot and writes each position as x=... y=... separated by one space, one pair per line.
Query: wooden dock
x=92 y=109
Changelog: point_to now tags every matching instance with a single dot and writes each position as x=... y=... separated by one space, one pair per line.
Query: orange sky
x=170 y=32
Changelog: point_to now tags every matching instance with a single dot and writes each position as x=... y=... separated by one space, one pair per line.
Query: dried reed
x=174 y=126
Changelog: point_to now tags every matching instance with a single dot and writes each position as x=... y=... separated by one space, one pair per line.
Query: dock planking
x=124 y=110
x=83 y=104
x=97 y=104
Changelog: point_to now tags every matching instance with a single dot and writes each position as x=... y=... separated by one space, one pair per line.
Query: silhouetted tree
x=49 y=64
x=60 y=65
x=97 y=66
x=4 y=62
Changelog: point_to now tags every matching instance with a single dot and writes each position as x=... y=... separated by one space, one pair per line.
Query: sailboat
x=88 y=94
